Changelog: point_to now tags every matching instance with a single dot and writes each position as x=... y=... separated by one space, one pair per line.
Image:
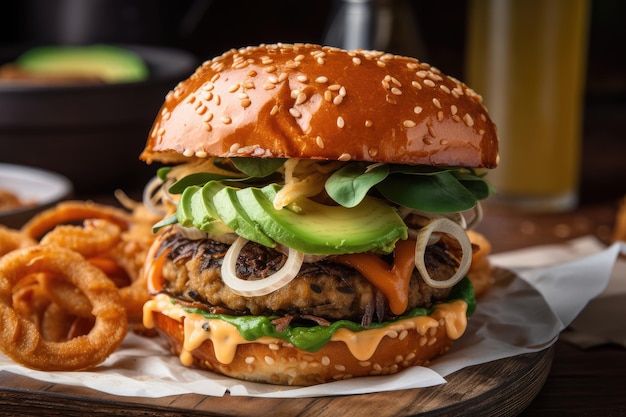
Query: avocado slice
x=109 y=63
x=195 y=211
x=316 y=228
x=229 y=209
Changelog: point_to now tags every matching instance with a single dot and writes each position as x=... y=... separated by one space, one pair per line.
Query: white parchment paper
x=523 y=313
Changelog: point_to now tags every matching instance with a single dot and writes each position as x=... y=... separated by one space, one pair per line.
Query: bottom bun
x=274 y=361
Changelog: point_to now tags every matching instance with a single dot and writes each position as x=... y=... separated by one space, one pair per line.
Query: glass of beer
x=527 y=58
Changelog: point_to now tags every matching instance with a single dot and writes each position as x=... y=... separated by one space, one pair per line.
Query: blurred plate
x=42 y=187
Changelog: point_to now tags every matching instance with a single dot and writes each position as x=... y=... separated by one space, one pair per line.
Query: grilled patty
x=322 y=289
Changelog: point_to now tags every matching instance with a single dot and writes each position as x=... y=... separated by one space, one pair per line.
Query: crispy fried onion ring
x=114 y=240
x=22 y=340
x=96 y=236
x=74 y=211
x=13 y=239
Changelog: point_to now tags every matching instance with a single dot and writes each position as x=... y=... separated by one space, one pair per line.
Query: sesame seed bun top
x=308 y=101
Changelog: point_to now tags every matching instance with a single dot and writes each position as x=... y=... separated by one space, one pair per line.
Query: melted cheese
x=393 y=281
x=225 y=337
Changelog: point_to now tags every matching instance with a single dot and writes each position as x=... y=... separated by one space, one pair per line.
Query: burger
x=316 y=204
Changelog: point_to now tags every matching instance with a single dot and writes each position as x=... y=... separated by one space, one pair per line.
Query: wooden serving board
x=500 y=388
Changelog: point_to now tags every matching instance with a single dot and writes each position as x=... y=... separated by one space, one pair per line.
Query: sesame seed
x=410 y=356
x=417 y=110
x=295 y=113
x=390 y=99
x=320 y=142
x=302 y=78
x=245 y=103
x=453 y=109
x=226 y=120
x=440 y=116
x=273 y=346
x=274 y=110
x=356 y=60
x=421 y=73
x=340 y=368
x=399 y=358
x=215 y=77
x=208 y=96
x=321 y=80
x=208 y=86
x=334 y=87
x=337 y=100
x=445 y=89
x=320 y=60
x=342 y=91
x=429 y=83
x=344 y=157
x=423 y=340
x=208 y=127
x=481 y=132
x=269 y=86
x=269 y=360
x=468 y=120
x=294 y=93
x=483 y=117
x=416 y=85
x=365 y=364
x=437 y=103
x=340 y=122
x=248 y=84
x=234 y=147
x=372 y=152
x=325 y=361
x=432 y=341
x=427 y=141
x=273 y=79
x=403 y=335
x=369 y=123
x=409 y=123
x=188 y=153
x=301 y=98
x=191 y=99
x=456 y=118
x=396 y=91
x=328 y=95
x=208 y=117
x=443 y=142
x=233 y=88
x=201 y=110
x=201 y=154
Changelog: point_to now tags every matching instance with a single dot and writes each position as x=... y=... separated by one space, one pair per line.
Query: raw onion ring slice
x=255 y=288
x=443 y=225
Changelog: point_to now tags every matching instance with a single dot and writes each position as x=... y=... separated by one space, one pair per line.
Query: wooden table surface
x=579 y=382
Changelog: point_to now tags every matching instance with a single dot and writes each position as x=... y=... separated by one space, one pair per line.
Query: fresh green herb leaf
x=199 y=179
x=350 y=184
x=167 y=221
x=439 y=193
x=257 y=167
x=162 y=172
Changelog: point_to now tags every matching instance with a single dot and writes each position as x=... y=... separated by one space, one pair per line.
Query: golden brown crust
x=307 y=101
x=287 y=365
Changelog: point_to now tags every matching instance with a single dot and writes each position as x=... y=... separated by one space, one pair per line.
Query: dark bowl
x=92 y=134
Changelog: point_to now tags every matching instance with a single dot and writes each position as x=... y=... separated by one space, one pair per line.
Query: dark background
x=207 y=28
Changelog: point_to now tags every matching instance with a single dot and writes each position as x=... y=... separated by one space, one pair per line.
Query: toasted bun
x=273 y=361
x=313 y=102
